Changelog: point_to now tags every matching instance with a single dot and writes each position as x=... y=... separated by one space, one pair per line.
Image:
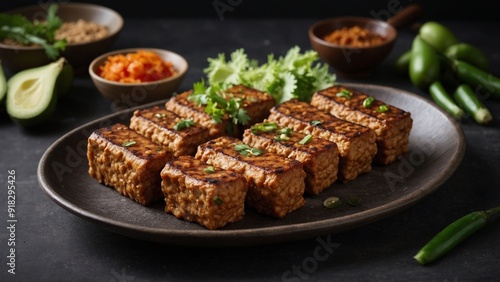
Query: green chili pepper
x=467 y=100
x=453 y=234
x=424 y=65
x=444 y=100
x=403 y=62
x=477 y=78
x=468 y=53
x=437 y=35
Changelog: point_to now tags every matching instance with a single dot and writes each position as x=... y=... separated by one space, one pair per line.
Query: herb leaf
x=23 y=31
x=185 y=123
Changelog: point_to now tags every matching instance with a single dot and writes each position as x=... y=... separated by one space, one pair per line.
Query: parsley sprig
x=24 y=31
x=217 y=103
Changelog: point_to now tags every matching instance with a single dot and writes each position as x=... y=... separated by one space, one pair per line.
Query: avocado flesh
x=31 y=94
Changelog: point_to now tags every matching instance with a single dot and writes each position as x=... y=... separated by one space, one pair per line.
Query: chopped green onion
x=332 y=202
x=160 y=115
x=316 y=122
x=185 y=123
x=256 y=152
x=368 y=102
x=281 y=137
x=344 y=93
x=209 y=169
x=158 y=149
x=264 y=127
x=306 y=139
x=285 y=130
x=218 y=200
x=383 y=108
x=354 y=201
x=129 y=143
x=244 y=149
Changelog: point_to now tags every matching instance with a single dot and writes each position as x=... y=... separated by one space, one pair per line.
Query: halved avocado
x=32 y=95
x=3 y=85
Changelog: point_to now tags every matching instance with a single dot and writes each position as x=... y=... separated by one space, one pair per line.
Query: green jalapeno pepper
x=437 y=35
x=453 y=234
x=468 y=53
x=444 y=100
x=467 y=100
x=424 y=63
x=478 y=79
x=403 y=62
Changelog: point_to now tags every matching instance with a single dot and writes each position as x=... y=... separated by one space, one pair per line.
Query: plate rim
x=271 y=234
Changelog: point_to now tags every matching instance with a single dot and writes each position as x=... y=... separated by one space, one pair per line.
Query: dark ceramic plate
x=436 y=149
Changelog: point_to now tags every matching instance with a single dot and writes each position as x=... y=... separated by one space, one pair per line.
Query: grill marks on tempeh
x=356 y=143
x=157 y=124
x=276 y=183
x=211 y=198
x=320 y=157
x=121 y=158
x=392 y=127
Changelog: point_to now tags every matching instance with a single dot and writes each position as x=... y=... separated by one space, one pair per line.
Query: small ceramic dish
x=126 y=95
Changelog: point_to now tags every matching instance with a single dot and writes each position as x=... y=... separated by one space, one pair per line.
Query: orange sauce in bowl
x=141 y=66
x=354 y=37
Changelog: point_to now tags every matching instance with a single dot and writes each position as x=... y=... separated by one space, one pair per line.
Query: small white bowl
x=127 y=95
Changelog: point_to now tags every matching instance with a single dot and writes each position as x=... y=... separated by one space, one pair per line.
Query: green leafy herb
x=129 y=143
x=264 y=127
x=383 y=108
x=344 y=93
x=295 y=75
x=218 y=200
x=26 y=32
x=306 y=139
x=185 y=123
x=367 y=102
x=246 y=150
x=209 y=169
x=217 y=103
x=316 y=122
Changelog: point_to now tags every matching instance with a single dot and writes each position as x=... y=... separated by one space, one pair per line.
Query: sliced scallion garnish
x=129 y=143
x=306 y=139
x=185 y=123
x=316 y=122
x=383 y=108
x=209 y=169
x=218 y=200
x=264 y=127
x=368 y=102
x=332 y=202
x=344 y=93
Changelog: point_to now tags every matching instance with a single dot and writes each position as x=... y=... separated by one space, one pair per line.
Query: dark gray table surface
x=55 y=245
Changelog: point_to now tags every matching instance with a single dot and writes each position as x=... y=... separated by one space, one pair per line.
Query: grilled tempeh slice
x=127 y=161
x=320 y=157
x=356 y=143
x=256 y=103
x=391 y=125
x=159 y=125
x=276 y=183
x=183 y=107
x=199 y=193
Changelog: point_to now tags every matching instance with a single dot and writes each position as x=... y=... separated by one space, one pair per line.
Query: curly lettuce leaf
x=294 y=75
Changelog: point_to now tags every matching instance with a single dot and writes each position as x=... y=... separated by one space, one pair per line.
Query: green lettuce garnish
x=295 y=75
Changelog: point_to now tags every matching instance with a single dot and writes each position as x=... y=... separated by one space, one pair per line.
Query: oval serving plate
x=436 y=149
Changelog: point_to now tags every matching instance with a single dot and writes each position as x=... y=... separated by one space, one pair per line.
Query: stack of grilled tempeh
x=206 y=175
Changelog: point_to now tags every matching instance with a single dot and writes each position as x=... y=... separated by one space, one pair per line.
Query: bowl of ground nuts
x=36 y=35
x=354 y=46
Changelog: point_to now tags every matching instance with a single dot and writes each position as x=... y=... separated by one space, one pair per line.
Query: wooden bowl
x=352 y=62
